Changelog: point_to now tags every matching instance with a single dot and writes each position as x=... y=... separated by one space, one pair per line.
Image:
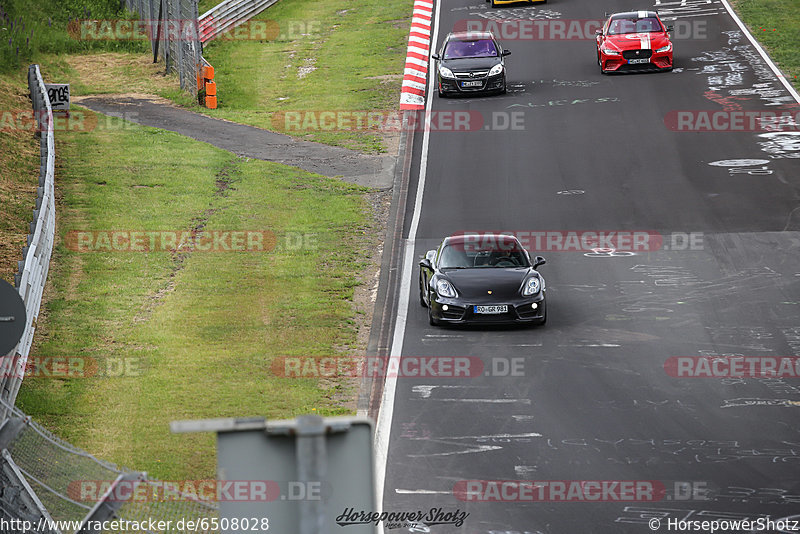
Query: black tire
x=431 y=320
x=493 y=4
x=421 y=295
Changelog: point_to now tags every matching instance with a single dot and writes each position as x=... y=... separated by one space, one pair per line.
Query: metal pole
x=312 y=468
x=158 y=30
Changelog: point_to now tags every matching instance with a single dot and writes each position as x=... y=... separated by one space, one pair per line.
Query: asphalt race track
x=591 y=399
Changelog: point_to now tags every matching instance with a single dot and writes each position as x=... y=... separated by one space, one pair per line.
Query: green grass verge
x=352 y=54
x=776 y=25
x=19 y=173
x=205 y=328
x=30 y=29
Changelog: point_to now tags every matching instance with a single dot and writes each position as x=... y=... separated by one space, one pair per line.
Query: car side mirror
x=426 y=263
x=435 y=56
x=598 y=32
x=539 y=261
x=506 y=52
x=670 y=28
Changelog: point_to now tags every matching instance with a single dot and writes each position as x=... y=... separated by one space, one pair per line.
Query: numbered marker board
x=59 y=96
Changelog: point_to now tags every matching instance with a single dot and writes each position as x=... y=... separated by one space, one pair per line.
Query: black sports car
x=470 y=62
x=482 y=278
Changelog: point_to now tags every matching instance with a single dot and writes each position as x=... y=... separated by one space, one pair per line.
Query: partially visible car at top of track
x=634 y=41
x=496 y=3
x=482 y=279
x=470 y=62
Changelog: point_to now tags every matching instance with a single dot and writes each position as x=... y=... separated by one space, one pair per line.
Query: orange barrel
x=211 y=102
x=208 y=72
x=211 y=89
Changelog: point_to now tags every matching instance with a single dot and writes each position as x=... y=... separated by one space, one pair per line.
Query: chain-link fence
x=43 y=476
x=173 y=30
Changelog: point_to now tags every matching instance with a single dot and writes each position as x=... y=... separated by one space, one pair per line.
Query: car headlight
x=665 y=48
x=609 y=51
x=532 y=286
x=445 y=288
x=446 y=73
x=497 y=69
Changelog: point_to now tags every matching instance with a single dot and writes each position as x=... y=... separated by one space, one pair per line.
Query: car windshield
x=475 y=48
x=633 y=25
x=482 y=256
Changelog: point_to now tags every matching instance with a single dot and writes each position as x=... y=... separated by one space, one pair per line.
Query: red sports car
x=635 y=40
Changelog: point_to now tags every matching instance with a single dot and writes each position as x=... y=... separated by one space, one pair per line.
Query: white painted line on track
x=487 y=436
x=384 y=425
x=482 y=401
x=421 y=492
x=425 y=391
x=477 y=448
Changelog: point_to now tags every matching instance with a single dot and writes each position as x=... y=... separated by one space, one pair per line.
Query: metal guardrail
x=37 y=469
x=228 y=15
x=36 y=255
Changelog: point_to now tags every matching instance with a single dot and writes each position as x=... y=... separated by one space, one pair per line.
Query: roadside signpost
x=12 y=318
x=300 y=475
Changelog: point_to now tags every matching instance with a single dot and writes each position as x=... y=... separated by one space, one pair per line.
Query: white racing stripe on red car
x=415 y=75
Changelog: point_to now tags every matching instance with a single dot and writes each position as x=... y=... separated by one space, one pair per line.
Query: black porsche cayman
x=482 y=278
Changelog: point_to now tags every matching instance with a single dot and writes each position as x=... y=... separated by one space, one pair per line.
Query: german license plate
x=491 y=309
x=643 y=60
x=473 y=83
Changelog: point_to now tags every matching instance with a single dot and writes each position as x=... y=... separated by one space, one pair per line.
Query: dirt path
x=247 y=141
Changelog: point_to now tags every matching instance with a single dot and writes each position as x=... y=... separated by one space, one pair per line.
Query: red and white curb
x=415 y=75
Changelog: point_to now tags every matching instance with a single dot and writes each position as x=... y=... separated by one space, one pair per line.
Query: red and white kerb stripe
x=412 y=95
